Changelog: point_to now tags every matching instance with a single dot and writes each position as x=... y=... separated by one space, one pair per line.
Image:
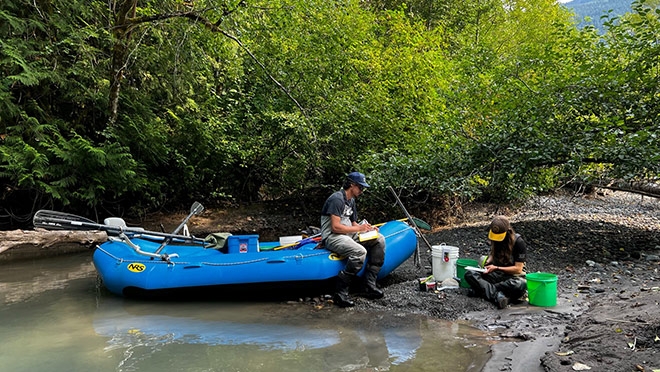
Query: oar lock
x=166 y=257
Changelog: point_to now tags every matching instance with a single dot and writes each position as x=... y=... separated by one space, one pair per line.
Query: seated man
x=339 y=232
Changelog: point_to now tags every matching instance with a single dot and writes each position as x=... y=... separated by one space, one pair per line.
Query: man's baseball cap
x=358 y=178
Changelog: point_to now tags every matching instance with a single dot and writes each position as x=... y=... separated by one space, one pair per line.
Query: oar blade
x=53 y=220
x=421 y=224
x=196 y=209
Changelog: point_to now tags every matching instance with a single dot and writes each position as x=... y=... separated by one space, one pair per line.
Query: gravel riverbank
x=605 y=251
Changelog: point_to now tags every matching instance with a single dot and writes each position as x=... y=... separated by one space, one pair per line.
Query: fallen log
x=39 y=243
x=646 y=188
x=649 y=188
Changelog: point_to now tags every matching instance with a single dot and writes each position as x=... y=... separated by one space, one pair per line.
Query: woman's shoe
x=501 y=300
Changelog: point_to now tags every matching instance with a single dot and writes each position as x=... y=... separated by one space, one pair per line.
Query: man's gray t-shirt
x=337 y=205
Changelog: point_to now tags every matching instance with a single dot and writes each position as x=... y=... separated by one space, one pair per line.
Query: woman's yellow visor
x=496 y=237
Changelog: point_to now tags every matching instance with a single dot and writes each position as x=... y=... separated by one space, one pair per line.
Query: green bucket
x=542 y=289
x=461 y=264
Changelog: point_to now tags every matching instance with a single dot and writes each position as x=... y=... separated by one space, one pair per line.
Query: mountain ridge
x=595 y=9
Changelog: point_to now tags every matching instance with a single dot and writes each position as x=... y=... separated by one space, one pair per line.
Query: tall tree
x=121 y=32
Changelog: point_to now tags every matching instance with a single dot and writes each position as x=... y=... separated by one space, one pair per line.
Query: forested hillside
x=596 y=9
x=125 y=106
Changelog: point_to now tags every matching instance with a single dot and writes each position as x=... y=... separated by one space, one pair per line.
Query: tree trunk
x=122 y=36
x=647 y=188
x=24 y=244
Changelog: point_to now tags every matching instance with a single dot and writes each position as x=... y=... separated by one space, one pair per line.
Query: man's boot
x=369 y=288
x=341 y=297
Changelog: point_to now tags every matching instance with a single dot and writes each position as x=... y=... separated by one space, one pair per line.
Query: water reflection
x=251 y=336
x=127 y=329
x=26 y=279
x=56 y=318
x=266 y=332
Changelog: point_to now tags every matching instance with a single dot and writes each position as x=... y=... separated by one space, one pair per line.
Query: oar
x=312 y=238
x=414 y=225
x=316 y=237
x=419 y=222
x=299 y=243
x=196 y=209
x=53 y=220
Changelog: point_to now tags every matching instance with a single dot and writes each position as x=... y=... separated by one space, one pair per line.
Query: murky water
x=53 y=317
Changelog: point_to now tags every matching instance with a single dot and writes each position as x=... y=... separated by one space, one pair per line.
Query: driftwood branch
x=20 y=244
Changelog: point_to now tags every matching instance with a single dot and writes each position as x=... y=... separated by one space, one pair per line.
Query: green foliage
x=251 y=100
x=69 y=169
x=589 y=114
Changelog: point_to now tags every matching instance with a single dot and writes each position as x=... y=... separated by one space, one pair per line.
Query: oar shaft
x=196 y=208
x=383 y=223
x=414 y=225
x=70 y=222
x=301 y=242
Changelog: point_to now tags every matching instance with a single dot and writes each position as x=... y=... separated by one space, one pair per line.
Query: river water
x=55 y=316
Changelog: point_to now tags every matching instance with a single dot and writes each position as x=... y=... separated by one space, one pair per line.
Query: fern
x=13 y=22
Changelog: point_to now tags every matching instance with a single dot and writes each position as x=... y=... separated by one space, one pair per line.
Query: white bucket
x=443 y=259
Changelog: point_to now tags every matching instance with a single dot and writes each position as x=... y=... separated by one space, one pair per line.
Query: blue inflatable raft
x=138 y=263
x=126 y=270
